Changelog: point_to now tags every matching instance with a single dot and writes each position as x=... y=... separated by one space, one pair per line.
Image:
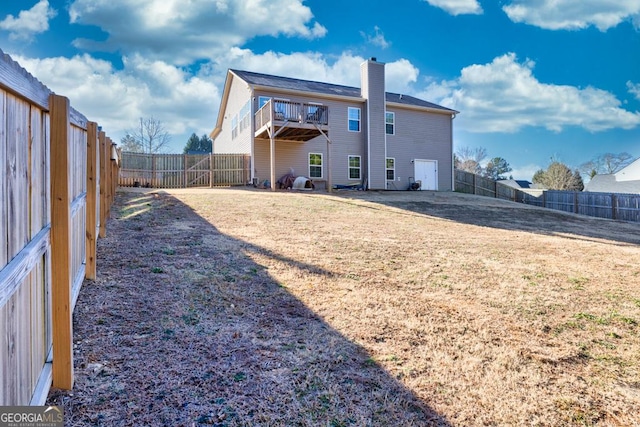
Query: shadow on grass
x=183 y=328
x=502 y=214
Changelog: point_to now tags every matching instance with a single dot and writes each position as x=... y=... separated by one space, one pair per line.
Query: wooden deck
x=291 y=121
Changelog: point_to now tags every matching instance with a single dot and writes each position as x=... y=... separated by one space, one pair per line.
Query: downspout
x=386 y=155
x=252 y=123
x=453 y=171
x=366 y=103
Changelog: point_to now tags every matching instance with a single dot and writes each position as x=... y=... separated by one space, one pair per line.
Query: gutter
x=308 y=93
x=421 y=108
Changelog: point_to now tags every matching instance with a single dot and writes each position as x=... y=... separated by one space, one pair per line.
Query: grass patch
x=358 y=308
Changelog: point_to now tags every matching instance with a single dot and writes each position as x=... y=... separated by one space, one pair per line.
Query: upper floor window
x=354 y=119
x=354 y=167
x=390 y=123
x=245 y=120
x=315 y=165
x=262 y=100
x=234 y=126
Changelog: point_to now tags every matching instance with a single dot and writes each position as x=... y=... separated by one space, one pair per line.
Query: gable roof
x=516 y=183
x=299 y=85
x=607 y=183
x=266 y=80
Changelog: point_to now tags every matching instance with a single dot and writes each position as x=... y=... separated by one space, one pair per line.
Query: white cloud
x=29 y=22
x=573 y=14
x=167 y=30
x=634 y=89
x=505 y=96
x=343 y=70
x=458 y=7
x=184 y=102
x=524 y=172
x=377 y=38
x=143 y=88
x=400 y=76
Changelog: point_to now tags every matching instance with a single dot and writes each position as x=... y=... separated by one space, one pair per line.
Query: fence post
x=153 y=171
x=184 y=170
x=474 y=184
x=210 y=170
x=112 y=174
x=62 y=325
x=614 y=207
x=495 y=189
x=109 y=173
x=91 y=219
x=575 y=202
x=115 y=172
x=103 y=184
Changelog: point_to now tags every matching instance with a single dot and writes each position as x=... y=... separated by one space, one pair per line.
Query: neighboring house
x=336 y=134
x=626 y=180
x=524 y=186
x=517 y=183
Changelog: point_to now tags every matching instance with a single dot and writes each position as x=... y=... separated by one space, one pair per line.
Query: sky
x=534 y=80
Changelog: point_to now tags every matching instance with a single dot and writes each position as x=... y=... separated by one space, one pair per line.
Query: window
x=245 y=120
x=390 y=123
x=315 y=165
x=262 y=100
x=391 y=169
x=354 y=119
x=234 y=127
x=354 y=167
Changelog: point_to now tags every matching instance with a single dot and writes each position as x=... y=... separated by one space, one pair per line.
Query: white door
x=426 y=171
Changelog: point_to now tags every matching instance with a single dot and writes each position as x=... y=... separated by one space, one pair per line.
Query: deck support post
x=272 y=150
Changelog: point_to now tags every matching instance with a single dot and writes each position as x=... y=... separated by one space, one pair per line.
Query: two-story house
x=336 y=135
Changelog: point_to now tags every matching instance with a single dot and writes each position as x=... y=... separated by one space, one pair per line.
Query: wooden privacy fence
x=55 y=198
x=183 y=170
x=624 y=207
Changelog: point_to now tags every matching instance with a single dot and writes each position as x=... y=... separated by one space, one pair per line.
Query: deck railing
x=287 y=111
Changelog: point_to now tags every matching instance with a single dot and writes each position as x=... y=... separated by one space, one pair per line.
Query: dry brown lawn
x=245 y=307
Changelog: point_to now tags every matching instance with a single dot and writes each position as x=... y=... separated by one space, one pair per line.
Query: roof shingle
x=289 y=83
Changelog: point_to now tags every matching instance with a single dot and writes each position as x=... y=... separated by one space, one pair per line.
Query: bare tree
x=128 y=143
x=149 y=137
x=606 y=163
x=469 y=159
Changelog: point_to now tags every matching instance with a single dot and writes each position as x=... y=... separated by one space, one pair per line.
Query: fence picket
x=43 y=153
x=183 y=170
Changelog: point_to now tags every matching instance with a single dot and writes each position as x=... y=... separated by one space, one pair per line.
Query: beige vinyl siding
x=420 y=135
x=239 y=94
x=289 y=155
x=345 y=143
x=296 y=154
